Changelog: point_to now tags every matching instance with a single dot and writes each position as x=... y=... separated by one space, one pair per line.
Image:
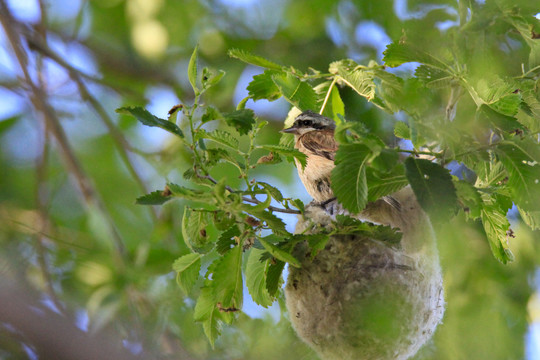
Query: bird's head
x=310 y=121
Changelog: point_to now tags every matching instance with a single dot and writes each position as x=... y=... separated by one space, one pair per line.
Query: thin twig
x=38 y=98
x=41 y=46
x=41 y=187
x=416 y=152
x=252 y=200
x=121 y=143
x=271 y=208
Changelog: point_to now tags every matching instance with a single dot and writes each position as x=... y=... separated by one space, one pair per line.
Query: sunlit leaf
x=521 y=160
x=197 y=230
x=531 y=218
x=187 y=270
x=220 y=136
x=360 y=79
x=253 y=59
x=206 y=312
x=192 y=70
x=263 y=87
x=398 y=53
x=469 y=198
x=148 y=119
x=298 y=93
x=401 y=130
x=496 y=226
x=227 y=279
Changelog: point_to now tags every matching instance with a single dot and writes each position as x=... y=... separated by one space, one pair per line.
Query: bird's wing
x=320 y=143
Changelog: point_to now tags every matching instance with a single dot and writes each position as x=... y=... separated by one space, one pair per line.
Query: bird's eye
x=306 y=122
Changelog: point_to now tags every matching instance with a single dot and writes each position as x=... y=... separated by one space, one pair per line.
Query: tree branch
x=252 y=200
x=40 y=103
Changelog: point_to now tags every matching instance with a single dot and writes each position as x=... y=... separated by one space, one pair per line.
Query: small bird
x=314 y=136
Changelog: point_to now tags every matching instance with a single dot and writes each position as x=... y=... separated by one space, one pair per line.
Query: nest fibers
x=364 y=299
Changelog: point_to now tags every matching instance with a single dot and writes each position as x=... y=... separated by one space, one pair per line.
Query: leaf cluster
x=489 y=126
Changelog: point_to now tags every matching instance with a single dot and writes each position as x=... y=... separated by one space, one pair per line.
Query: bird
x=314 y=136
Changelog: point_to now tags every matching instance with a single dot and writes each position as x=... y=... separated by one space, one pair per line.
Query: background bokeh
x=75 y=244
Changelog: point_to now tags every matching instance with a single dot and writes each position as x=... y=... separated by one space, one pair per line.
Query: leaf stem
x=416 y=152
x=328 y=94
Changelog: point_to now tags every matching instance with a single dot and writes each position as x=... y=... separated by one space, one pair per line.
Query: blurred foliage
x=72 y=168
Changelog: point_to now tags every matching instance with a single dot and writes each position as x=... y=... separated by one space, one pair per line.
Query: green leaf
x=227 y=239
x=197 y=230
x=207 y=312
x=242 y=120
x=227 y=279
x=297 y=203
x=500 y=95
x=524 y=29
x=487 y=116
x=382 y=184
x=359 y=78
x=154 y=198
x=263 y=87
x=317 y=242
x=273 y=191
x=469 y=198
x=210 y=114
x=298 y=93
x=253 y=59
x=211 y=78
x=337 y=106
x=496 y=226
x=400 y=52
x=276 y=224
x=273 y=277
x=434 y=78
x=402 y=131
x=433 y=187
x=349 y=176
x=348 y=225
x=206 y=303
x=521 y=159
x=7 y=123
x=220 y=136
x=187 y=270
x=150 y=120
x=279 y=254
x=288 y=153
x=256 y=278
x=212 y=328
x=192 y=70
x=390 y=89
x=531 y=218
x=190 y=194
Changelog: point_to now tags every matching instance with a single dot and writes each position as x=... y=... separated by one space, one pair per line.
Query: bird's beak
x=291 y=130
